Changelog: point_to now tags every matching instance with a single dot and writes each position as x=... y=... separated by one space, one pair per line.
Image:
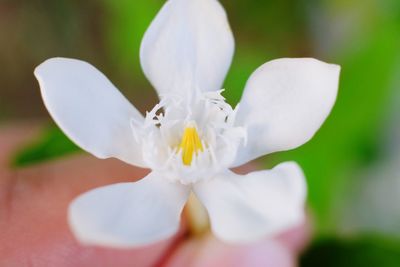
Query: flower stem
x=197 y=217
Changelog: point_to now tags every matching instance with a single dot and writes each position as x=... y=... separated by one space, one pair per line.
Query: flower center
x=190 y=144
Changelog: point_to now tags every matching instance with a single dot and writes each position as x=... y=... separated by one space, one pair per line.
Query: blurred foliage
x=360 y=252
x=34 y=30
x=363 y=36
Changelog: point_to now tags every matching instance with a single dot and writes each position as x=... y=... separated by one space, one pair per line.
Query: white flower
x=192 y=138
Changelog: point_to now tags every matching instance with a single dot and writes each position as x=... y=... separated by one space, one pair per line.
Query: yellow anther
x=190 y=144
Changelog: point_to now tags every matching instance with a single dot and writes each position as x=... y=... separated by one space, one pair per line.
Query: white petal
x=89 y=109
x=284 y=103
x=188 y=46
x=128 y=214
x=246 y=208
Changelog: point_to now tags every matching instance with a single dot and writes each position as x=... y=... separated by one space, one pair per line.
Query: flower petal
x=189 y=46
x=128 y=214
x=89 y=109
x=284 y=103
x=250 y=207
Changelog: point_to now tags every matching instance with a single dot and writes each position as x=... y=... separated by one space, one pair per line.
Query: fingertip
x=13 y=136
x=297 y=238
x=211 y=252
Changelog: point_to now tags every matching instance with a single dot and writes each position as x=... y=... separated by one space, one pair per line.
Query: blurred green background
x=353 y=163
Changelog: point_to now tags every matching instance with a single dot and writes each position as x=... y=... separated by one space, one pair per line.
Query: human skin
x=34 y=230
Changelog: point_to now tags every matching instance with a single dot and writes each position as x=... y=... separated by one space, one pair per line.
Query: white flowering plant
x=192 y=139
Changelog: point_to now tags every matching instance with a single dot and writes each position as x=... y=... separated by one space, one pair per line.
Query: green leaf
x=50 y=145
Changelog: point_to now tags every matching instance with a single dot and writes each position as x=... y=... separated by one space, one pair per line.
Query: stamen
x=190 y=144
